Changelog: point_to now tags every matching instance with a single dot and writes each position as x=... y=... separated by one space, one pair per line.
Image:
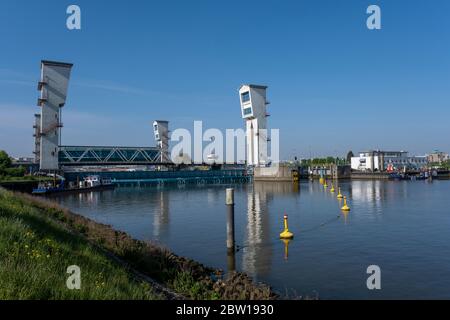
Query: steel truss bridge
x=104 y=156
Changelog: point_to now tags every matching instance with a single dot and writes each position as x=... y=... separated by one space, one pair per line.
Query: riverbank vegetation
x=441 y=165
x=22 y=179
x=35 y=252
x=322 y=162
x=39 y=240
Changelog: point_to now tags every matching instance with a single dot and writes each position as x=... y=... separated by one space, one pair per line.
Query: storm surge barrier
x=142 y=178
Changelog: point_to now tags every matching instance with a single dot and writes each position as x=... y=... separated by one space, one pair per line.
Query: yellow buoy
x=339 y=196
x=322 y=180
x=325 y=185
x=332 y=188
x=345 y=207
x=286 y=234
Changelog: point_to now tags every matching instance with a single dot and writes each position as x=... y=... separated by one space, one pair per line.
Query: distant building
x=376 y=160
x=22 y=161
x=27 y=162
x=438 y=157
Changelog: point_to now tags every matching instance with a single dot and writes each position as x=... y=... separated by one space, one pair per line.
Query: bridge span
x=109 y=155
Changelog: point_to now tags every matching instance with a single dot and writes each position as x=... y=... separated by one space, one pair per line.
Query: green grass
x=186 y=283
x=35 y=252
x=24 y=179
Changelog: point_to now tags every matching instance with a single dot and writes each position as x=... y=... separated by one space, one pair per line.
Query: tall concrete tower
x=253 y=107
x=53 y=90
x=37 y=138
x=161 y=131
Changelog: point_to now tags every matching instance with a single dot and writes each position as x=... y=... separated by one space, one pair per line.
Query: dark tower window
x=245 y=97
x=247 y=111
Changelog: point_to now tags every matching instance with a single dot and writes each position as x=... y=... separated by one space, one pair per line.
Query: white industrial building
x=376 y=160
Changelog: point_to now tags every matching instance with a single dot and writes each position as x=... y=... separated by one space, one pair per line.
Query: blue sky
x=333 y=84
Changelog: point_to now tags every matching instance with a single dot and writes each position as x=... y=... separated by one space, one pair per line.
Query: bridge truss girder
x=103 y=156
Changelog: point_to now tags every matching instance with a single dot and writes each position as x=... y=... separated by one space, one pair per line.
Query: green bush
x=5 y=160
x=15 y=172
x=6 y=171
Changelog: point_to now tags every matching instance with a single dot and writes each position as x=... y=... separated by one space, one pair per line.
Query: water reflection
x=190 y=221
x=231 y=261
x=369 y=193
x=345 y=214
x=161 y=215
x=89 y=197
x=286 y=248
x=258 y=254
x=375 y=195
x=256 y=257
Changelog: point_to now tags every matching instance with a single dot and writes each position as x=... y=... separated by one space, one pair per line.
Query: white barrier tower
x=53 y=88
x=253 y=108
x=161 y=131
x=37 y=138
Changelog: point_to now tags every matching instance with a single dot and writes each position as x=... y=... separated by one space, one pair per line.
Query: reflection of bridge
x=82 y=155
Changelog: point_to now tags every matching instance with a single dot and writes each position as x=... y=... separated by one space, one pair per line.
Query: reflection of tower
x=161 y=215
x=161 y=131
x=53 y=87
x=253 y=107
x=258 y=252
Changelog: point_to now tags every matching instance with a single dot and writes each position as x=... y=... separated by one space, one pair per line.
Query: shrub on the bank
x=5 y=160
x=13 y=172
x=6 y=171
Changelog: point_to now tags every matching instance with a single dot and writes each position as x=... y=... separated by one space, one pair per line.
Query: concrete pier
x=274 y=173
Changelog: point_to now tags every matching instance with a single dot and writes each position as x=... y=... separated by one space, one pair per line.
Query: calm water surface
x=403 y=227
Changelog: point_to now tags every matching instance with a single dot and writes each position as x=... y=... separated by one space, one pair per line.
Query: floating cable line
x=270 y=243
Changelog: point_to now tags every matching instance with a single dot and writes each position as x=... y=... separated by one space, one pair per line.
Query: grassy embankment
x=24 y=179
x=39 y=240
x=35 y=253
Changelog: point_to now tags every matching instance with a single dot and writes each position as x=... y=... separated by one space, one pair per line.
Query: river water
x=401 y=226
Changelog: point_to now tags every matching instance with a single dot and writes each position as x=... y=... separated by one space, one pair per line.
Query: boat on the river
x=89 y=183
x=410 y=176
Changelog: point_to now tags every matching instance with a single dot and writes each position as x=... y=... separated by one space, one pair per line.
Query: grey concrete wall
x=274 y=173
